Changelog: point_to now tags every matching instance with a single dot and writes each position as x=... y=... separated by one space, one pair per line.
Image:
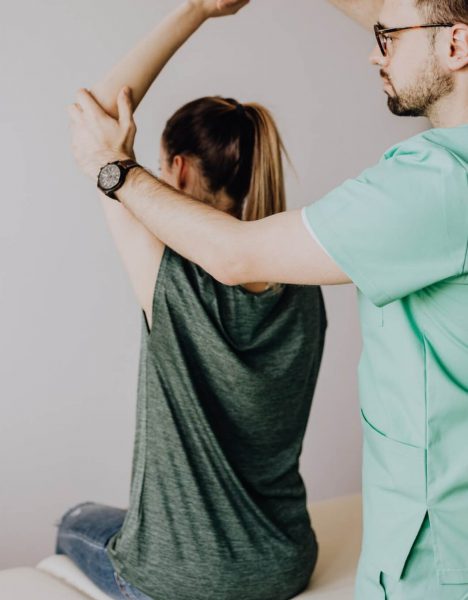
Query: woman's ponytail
x=239 y=152
x=266 y=195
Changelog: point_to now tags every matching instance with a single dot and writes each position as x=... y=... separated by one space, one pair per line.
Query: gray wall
x=69 y=320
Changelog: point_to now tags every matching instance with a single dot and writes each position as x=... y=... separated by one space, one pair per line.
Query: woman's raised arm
x=142 y=65
x=364 y=12
x=139 y=249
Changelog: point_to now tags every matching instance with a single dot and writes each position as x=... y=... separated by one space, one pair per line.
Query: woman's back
x=226 y=378
x=217 y=507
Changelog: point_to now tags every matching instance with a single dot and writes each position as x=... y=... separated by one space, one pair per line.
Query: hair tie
x=240 y=108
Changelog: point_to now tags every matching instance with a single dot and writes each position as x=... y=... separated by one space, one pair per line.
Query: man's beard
x=417 y=100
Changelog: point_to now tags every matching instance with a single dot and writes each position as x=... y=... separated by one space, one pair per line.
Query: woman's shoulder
x=194 y=274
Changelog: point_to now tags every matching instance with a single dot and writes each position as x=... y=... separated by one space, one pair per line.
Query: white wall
x=69 y=320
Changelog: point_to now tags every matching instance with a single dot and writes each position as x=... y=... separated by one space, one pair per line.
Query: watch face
x=109 y=176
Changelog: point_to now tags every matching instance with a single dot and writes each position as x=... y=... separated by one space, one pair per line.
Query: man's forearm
x=364 y=12
x=204 y=235
x=277 y=248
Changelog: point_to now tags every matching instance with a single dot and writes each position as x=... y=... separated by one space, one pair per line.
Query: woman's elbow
x=229 y=268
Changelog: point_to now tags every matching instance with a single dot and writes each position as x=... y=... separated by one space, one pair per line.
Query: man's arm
x=276 y=249
x=364 y=12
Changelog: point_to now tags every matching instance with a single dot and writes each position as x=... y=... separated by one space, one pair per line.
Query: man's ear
x=459 y=47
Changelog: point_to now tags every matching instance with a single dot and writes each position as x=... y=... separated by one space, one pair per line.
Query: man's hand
x=97 y=138
x=219 y=8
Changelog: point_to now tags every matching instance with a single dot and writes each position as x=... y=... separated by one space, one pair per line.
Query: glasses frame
x=380 y=32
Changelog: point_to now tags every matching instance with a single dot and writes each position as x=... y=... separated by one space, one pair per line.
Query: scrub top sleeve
x=400 y=226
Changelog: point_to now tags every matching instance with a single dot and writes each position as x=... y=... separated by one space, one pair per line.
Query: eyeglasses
x=381 y=33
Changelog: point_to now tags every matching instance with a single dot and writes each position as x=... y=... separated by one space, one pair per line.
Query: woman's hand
x=219 y=8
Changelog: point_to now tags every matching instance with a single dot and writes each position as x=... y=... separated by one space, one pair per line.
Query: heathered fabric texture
x=217 y=506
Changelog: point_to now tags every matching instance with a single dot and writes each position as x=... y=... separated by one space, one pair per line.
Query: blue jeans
x=83 y=533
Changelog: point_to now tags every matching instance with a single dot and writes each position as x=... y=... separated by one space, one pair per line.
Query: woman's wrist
x=199 y=7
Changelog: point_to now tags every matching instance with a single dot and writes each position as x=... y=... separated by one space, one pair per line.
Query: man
x=399 y=231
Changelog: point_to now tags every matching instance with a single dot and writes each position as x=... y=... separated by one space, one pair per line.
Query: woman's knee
x=61 y=524
x=74 y=510
x=91 y=522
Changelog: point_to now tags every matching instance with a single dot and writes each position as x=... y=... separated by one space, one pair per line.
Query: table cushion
x=337 y=523
x=27 y=583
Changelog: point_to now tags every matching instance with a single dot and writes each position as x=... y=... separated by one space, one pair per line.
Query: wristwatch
x=112 y=176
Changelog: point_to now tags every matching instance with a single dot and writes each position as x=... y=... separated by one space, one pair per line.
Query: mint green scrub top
x=400 y=232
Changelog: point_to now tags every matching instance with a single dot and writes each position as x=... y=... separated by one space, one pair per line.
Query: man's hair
x=444 y=11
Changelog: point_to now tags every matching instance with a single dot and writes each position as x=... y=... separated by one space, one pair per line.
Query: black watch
x=112 y=176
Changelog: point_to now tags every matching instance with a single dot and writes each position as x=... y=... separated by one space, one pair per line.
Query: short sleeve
x=400 y=226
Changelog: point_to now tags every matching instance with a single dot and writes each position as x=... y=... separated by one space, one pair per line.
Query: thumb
x=231 y=4
x=125 y=106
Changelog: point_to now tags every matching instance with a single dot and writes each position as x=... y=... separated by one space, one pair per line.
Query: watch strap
x=128 y=163
x=125 y=165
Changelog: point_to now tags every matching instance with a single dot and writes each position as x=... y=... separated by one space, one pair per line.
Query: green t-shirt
x=400 y=232
x=217 y=505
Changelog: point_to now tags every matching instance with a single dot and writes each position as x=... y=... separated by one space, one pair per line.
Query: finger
x=89 y=104
x=125 y=107
x=226 y=4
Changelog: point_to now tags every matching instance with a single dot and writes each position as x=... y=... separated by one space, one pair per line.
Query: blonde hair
x=266 y=195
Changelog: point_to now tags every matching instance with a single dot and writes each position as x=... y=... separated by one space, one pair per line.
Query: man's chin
x=394 y=107
x=401 y=111
x=393 y=101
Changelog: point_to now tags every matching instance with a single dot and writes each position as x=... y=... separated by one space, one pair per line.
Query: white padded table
x=337 y=523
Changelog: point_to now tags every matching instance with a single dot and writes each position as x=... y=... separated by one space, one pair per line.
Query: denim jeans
x=83 y=533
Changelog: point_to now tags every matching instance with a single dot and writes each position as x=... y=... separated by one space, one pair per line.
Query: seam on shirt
x=426 y=412
x=432 y=526
x=465 y=262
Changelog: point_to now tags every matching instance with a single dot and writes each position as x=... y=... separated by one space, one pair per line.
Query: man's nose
x=376 y=57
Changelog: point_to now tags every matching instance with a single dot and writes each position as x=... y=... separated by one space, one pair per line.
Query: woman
x=217 y=506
